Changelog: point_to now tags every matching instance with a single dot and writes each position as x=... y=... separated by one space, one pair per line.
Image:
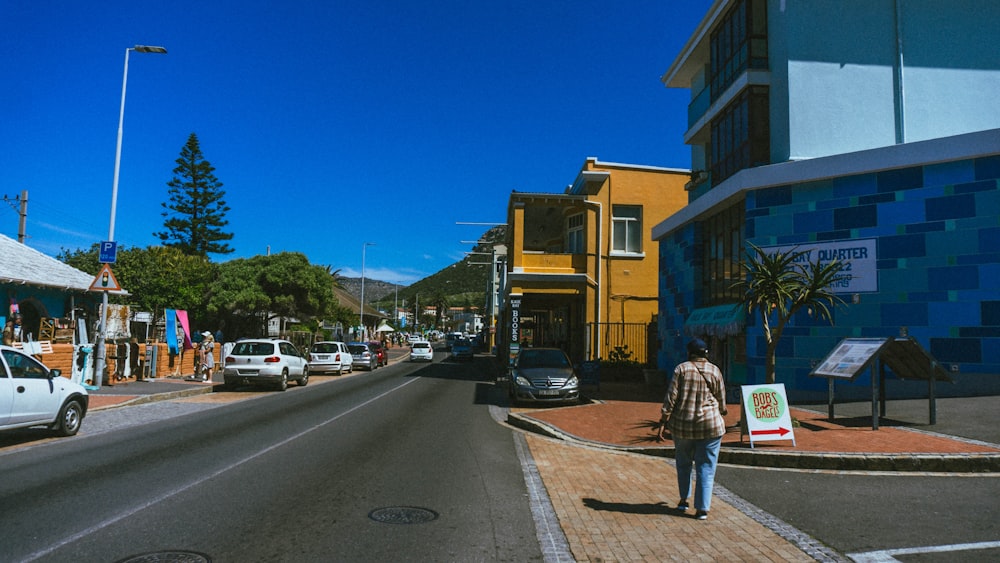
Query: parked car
x=265 y=361
x=380 y=352
x=31 y=394
x=330 y=357
x=421 y=351
x=461 y=349
x=543 y=375
x=364 y=355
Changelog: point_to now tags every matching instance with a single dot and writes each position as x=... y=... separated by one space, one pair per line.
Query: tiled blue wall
x=938 y=237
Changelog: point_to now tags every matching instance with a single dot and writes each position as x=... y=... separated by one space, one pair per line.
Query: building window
x=741 y=134
x=739 y=42
x=723 y=236
x=626 y=229
x=574 y=234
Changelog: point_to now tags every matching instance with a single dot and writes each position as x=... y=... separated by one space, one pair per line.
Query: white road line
x=887 y=555
x=115 y=519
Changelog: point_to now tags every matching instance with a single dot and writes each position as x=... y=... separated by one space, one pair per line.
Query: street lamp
x=99 y=362
x=364 y=247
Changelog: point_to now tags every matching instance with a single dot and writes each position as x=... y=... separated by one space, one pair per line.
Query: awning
x=719 y=321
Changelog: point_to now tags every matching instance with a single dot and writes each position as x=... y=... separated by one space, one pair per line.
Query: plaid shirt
x=691 y=408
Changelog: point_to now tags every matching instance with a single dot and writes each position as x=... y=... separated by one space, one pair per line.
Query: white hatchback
x=33 y=395
x=327 y=357
x=421 y=351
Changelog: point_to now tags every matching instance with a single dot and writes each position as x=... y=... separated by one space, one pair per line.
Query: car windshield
x=358 y=349
x=421 y=345
x=542 y=359
x=325 y=348
x=253 y=349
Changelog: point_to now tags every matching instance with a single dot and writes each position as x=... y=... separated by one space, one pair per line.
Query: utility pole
x=22 y=212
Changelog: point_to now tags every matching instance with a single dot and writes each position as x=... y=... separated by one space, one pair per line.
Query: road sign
x=765 y=413
x=105 y=280
x=109 y=252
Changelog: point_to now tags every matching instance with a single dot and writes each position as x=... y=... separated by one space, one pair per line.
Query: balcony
x=537 y=262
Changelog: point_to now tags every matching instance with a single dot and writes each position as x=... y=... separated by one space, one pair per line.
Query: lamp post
x=100 y=361
x=364 y=247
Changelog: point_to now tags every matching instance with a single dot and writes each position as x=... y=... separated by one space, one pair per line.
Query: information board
x=765 y=413
x=849 y=358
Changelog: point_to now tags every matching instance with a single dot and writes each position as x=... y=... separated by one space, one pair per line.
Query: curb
x=929 y=463
x=154 y=397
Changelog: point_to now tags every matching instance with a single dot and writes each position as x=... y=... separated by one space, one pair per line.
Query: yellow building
x=581 y=267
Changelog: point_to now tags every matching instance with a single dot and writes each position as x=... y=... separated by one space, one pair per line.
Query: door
x=34 y=398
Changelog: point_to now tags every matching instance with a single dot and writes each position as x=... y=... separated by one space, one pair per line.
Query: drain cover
x=168 y=557
x=402 y=515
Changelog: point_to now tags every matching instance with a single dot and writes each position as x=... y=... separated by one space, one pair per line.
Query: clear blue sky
x=330 y=123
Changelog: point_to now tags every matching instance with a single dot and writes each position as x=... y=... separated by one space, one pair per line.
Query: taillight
x=272 y=360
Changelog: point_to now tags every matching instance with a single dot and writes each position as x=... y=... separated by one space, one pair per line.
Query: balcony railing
x=553 y=263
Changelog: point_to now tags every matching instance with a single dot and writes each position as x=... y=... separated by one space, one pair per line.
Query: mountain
x=462 y=283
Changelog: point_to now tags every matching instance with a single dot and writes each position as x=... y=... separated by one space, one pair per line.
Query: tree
x=156 y=278
x=779 y=285
x=440 y=302
x=250 y=290
x=196 y=213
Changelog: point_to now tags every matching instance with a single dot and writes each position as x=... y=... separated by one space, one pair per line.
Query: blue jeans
x=704 y=455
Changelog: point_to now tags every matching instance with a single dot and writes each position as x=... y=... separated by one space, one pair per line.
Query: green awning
x=719 y=321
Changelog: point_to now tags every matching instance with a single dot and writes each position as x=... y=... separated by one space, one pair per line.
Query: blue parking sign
x=109 y=251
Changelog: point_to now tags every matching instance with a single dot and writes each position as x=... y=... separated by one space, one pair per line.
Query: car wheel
x=229 y=383
x=304 y=380
x=283 y=384
x=70 y=419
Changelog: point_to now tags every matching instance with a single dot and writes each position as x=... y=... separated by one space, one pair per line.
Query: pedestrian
x=12 y=331
x=693 y=410
x=207 y=353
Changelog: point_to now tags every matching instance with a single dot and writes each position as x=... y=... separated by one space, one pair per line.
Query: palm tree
x=336 y=278
x=779 y=285
x=440 y=302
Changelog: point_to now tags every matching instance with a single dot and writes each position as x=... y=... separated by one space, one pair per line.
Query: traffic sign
x=109 y=252
x=765 y=413
x=105 y=280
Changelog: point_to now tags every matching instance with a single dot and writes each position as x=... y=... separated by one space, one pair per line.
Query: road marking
x=886 y=555
x=115 y=519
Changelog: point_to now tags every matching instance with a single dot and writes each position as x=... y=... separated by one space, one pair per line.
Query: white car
x=421 y=351
x=264 y=361
x=330 y=357
x=33 y=395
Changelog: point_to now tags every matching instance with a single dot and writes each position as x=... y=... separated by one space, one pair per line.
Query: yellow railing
x=554 y=263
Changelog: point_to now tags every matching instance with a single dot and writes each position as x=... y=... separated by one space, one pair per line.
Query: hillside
x=462 y=283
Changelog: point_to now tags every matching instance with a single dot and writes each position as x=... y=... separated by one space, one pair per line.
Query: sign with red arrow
x=765 y=413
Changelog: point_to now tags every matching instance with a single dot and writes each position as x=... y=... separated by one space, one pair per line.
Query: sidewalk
x=966 y=438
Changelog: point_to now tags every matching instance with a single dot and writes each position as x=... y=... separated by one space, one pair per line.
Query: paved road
x=341 y=471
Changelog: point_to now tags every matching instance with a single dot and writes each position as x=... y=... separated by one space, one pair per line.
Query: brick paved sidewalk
x=618 y=506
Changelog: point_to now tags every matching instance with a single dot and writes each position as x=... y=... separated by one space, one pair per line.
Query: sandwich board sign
x=765 y=413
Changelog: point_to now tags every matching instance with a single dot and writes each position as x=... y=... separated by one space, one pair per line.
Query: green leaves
x=778 y=285
x=196 y=212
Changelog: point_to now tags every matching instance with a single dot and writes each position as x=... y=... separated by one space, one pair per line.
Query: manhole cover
x=402 y=515
x=168 y=557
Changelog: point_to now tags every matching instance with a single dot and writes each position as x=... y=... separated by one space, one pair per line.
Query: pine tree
x=196 y=212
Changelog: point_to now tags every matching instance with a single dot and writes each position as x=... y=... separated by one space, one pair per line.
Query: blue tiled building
x=867 y=160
